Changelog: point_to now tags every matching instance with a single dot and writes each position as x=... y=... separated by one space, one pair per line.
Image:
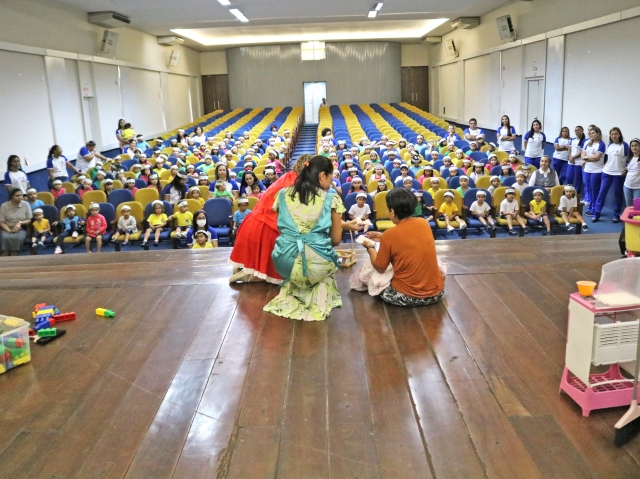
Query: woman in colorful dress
x=310 y=224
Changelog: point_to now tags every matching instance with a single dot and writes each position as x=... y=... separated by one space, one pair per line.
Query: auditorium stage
x=192 y=379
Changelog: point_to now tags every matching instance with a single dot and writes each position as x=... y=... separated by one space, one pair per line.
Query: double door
x=215 y=93
x=415 y=86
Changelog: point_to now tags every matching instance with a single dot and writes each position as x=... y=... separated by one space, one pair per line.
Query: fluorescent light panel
x=372 y=14
x=224 y=2
x=238 y=14
x=378 y=6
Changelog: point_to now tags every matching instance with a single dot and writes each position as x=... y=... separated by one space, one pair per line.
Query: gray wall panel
x=272 y=75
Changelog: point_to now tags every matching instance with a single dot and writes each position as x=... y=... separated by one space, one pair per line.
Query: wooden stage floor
x=193 y=380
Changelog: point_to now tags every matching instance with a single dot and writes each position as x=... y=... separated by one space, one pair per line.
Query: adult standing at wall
x=613 y=174
x=472 y=133
x=15 y=177
x=574 y=168
x=506 y=135
x=87 y=157
x=57 y=165
x=593 y=157
x=534 y=141
x=562 y=148
x=632 y=179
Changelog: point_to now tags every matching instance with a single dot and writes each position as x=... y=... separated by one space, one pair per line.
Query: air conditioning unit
x=170 y=40
x=432 y=40
x=465 y=22
x=108 y=19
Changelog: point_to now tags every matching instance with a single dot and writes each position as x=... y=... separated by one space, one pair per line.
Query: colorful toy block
x=14 y=342
x=107 y=313
x=44 y=324
x=64 y=317
x=43 y=333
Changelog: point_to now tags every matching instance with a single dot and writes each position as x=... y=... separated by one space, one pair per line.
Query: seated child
x=127 y=225
x=194 y=194
x=416 y=164
x=72 y=225
x=32 y=199
x=404 y=173
x=201 y=240
x=492 y=147
x=426 y=174
x=473 y=146
x=208 y=164
x=382 y=186
x=493 y=163
x=356 y=186
x=116 y=165
x=510 y=211
x=360 y=210
x=256 y=192
x=526 y=169
x=435 y=187
x=520 y=184
x=99 y=180
x=57 y=189
x=270 y=177
x=464 y=185
x=538 y=211
x=478 y=171
x=435 y=156
x=84 y=187
x=222 y=192
x=453 y=171
x=157 y=222
x=183 y=218
x=505 y=172
x=482 y=211
x=353 y=173
x=467 y=169
x=495 y=183
x=378 y=173
x=240 y=215
x=96 y=227
x=41 y=228
x=568 y=208
x=131 y=186
x=449 y=212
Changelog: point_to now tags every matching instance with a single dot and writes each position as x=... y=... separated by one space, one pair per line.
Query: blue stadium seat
x=218 y=212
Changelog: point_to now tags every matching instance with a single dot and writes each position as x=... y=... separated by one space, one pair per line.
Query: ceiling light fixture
x=238 y=14
x=378 y=6
x=224 y=2
x=372 y=14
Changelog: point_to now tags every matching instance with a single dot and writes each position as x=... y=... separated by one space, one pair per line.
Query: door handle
x=416 y=97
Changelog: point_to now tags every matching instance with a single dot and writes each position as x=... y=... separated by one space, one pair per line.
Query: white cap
x=38 y=210
x=538 y=190
x=153 y=203
x=493 y=155
x=70 y=207
x=435 y=180
x=131 y=180
x=243 y=200
x=463 y=177
x=569 y=188
x=94 y=206
x=361 y=195
x=481 y=192
x=353 y=168
x=125 y=207
x=494 y=177
x=182 y=203
x=56 y=182
x=448 y=193
x=519 y=173
x=510 y=190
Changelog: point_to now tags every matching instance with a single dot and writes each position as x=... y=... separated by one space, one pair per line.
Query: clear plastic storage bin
x=14 y=343
x=619 y=284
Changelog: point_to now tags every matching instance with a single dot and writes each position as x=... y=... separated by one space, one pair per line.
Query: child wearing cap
x=510 y=211
x=145 y=173
x=222 y=192
x=382 y=186
x=482 y=211
x=435 y=156
x=269 y=177
x=131 y=186
x=72 y=225
x=520 y=184
x=127 y=225
x=495 y=183
x=449 y=212
x=378 y=173
x=356 y=186
x=404 y=173
x=427 y=174
x=57 y=189
x=84 y=187
x=98 y=180
x=478 y=171
x=473 y=147
x=96 y=227
x=208 y=164
x=505 y=172
x=201 y=240
x=467 y=169
x=435 y=186
x=353 y=173
x=41 y=228
x=240 y=215
x=32 y=199
x=157 y=222
x=360 y=210
x=568 y=208
x=154 y=182
x=526 y=169
x=196 y=194
x=538 y=211
x=453 y=171
x=493 y=163
x=464 y=185
x=183 y=218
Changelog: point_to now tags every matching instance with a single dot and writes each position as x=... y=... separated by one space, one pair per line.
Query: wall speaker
x=174 y=58
x=109 y=43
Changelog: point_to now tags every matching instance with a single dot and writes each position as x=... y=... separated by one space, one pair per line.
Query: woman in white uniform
x=562 y=147
x=506 y=134
x=534 y=141
x=613 y=173
x=593 y=157
x=574 y=166
x=632 y=179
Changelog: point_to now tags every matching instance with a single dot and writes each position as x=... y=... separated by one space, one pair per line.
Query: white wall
x=573 y=61
x=48 y=58
x=213 y=63
x=414 y=55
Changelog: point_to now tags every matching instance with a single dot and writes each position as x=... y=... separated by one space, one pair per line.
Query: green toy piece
x=43 y=333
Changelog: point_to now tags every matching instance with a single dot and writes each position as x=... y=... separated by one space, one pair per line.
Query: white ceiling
x=207 y=25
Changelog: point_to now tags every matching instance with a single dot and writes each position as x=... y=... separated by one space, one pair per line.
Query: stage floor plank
x=192 y=379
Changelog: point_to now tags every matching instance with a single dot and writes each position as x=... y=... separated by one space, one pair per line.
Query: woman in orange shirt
x=410 y=248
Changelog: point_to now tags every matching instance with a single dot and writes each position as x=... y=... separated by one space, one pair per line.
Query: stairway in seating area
x=306 y=141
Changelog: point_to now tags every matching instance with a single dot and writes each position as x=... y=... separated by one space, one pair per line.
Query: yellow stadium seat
x=69 y=187
x=483 y=182
x=373 y=186
x=46 y=197
x=117 y=185
x=498 y=196
x=438 y=200
x=165 y=174
x=383 y=222
x=81 y=212
x=137 y=211
x=144 y=196
x=93 y=197
x=252 y=203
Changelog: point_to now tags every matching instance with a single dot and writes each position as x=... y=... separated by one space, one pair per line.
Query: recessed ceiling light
x=238 y=14
x=372 y=14
x=224 y=2
x=378 y=6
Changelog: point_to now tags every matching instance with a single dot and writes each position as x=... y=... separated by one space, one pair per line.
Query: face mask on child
x=202 y=223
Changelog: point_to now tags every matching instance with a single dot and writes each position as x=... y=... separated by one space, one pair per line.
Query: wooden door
x=215 y=93
x=415 y=86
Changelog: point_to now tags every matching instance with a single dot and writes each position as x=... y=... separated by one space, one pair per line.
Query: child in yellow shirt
x=449 y=211
x=201 y=240
x=157 y=222
x=184 y=219
x=41 y=228
x=538 y=211
x=195 y=194
x=435 y=187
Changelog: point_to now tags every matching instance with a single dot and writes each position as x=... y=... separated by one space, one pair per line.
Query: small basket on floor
x=346 y=258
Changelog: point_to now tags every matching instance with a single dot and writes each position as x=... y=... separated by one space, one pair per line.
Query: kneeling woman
x=411 y=250
x=309 y=221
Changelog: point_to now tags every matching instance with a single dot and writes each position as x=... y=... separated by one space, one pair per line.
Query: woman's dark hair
x=615 y=128
x=91 y=143
x=198 y=128
x=307 y=184
x=244 y=184
x=181 y=187
x=52 y=150
x=120 y=121
x=562 y=129
x=531 y=132
x=324 y=132
x=598 y=132
x=583 y=137
x=10 y=159
x=195 y=217
x=218 y=168
x=13 y=192
x=508 y=122
x=402 y=201
x=630 y=156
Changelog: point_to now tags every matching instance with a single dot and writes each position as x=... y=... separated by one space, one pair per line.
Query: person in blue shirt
x=201 y=222
x=87 y=155
x=592 y=154
x=240 y=215
x=533 y=142
x=32 y=199
x=142 y=144
x=613 y=173
x=450 y=137
x=472 y=133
